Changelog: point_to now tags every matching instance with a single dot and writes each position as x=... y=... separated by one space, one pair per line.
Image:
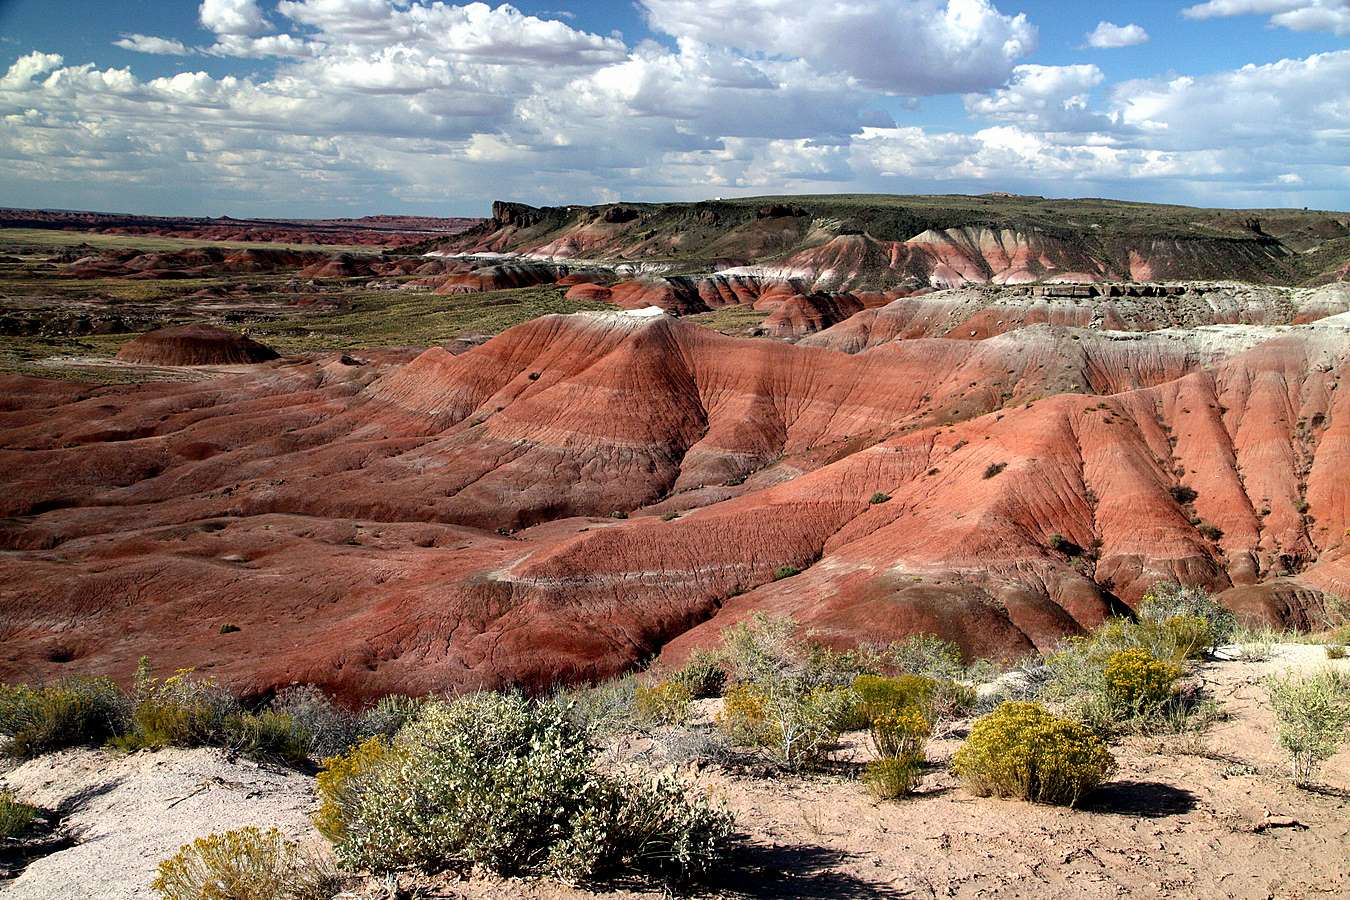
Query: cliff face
x=852 y=243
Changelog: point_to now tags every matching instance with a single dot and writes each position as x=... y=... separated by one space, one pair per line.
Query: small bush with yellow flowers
x=1021 y=750
x=1137 y=683
x=664 y=703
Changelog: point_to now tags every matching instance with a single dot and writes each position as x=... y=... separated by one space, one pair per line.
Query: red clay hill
x=458 y=521
x=194 y=345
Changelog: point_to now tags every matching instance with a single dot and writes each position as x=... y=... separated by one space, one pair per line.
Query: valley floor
x=1199 y=815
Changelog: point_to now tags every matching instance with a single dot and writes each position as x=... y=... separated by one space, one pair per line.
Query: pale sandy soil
x=1207 y=816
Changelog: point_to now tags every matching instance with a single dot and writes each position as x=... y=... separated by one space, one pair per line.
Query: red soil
x=194 y=345
x=346 y=517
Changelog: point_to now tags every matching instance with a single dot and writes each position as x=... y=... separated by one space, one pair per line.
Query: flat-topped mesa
x=874 y=243
x=194 y=345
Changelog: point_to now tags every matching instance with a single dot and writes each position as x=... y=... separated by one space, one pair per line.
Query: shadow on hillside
x=797 y=870
x=1146 y=799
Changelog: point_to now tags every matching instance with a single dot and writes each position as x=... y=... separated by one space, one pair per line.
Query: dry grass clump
x=246 y=864
x=72 y=712
x=15 y=817
x=1021 y=750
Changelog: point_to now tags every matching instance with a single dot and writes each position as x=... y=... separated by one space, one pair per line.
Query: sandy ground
x=1196 y=816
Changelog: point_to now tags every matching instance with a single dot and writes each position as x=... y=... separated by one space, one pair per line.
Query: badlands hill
x=1000 y=467
x=881 y=242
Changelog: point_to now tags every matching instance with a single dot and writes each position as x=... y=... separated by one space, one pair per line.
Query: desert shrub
x=994 y=468
x=71 y=712
x=1137 y=683
x=744 y=717
x=702 y=674
x=762 y=648
x=15 y=817
x=889 y=778
x=685 y=745
x=879 y=497
x=186 y=711
x=785 y=572
x=329 y=728
x=899 y=734
x=245 y=863
x=496 y=782
x=928 y=655
x=388 y=715
x=664 y=703
x=798 y=726
x=337 y=783
x=1167 y=600
x=601 y=709
x=1182 y=494
x=1021 y=750
x=267 y=735
x=1335 y=651
x=1312 y=714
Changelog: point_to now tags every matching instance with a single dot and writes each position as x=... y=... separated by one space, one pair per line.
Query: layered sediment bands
x=446 y=523
x=880 y=243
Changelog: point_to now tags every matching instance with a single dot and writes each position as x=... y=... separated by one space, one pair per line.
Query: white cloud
x=905 y=47
x=1051 y=98
x=145 y=43
x=1109 y=35
x=1296 y=15
x=381 y=104
x=238 y=17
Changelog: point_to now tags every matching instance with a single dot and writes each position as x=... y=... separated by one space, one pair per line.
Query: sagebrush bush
x=496 y=782
x=702 y=674
x=245 y=864
x=601 y=709
x=15 y=818
x=72 y=712
x=1168 y=600
x=1137 y=683
x=329 y=728
x=798 y=725
x=664 y=703
x=388 y=715
x=1021 y=750
x=889 y=778
x=1312 y=714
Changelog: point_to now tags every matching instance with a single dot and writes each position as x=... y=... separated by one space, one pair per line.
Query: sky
x=306 y=108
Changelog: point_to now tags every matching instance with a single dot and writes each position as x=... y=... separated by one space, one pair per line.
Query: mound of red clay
x=194 y=345
x=446 y=523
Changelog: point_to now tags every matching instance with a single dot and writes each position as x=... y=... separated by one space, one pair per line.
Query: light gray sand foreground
x=1193 y=816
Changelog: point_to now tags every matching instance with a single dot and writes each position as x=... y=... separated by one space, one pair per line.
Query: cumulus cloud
x=1109 y=35
x=904 y=47
x=373 y=104
x=1050 y=98
x=1296 y=15
x=145 y=43
x=238 y=17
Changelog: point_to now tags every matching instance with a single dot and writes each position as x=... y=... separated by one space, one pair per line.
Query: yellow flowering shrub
x=1021 y=750
x=336 y=783
x=900 y=733
x=1137 y=682
x=665 y=703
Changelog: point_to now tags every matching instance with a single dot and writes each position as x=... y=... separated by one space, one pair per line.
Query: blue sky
x=326 y=107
